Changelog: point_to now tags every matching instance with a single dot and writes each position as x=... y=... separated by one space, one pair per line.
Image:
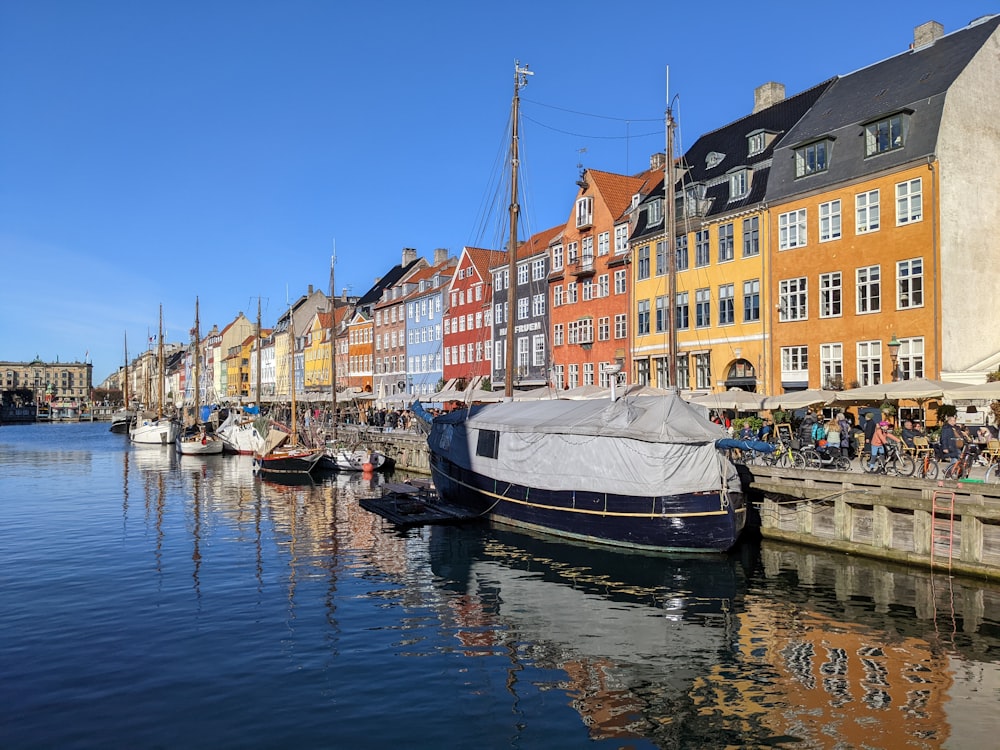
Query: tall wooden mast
x=669 y=210
x=520 y=81
x=333 y=345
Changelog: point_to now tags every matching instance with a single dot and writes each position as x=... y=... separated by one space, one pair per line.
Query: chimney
x=343 y=294
x=926 y=34
x=658 y=160
x=310 y=290
x=440 y=255
x=768 y=95
x=409 y=255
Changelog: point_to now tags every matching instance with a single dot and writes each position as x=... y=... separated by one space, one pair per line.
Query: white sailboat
x=150 y=430
x=198 y=440
x=243 y=429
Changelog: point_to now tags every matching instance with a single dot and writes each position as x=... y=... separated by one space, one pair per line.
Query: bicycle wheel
x=901 y=466
x=993 y=472
x=811 y=459
x=842 y=463
x=866 y=465
x=953 y=471
x=927 y=468
x=798 y=460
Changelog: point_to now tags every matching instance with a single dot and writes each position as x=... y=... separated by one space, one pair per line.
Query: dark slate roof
x=915 y=81
x=374 y=294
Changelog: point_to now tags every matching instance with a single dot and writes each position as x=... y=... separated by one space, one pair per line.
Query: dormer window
x=635 y=200
x=812 y=158
x=885 y=134
x=739 y=184
x=584 y=212
x=654 y=212
x=756 y=143
x=714 y=159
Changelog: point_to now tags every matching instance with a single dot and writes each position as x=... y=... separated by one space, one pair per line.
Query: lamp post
x=894 y=355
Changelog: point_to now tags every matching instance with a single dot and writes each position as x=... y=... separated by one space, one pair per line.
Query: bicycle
x=891 y=462
x=926 y=465
x=961 y=468
x=823 y=459
x=784 y=457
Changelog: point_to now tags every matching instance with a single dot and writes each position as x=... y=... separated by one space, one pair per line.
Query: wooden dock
x=414 y=503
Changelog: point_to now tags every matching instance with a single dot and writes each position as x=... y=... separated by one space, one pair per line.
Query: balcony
x=582 y=267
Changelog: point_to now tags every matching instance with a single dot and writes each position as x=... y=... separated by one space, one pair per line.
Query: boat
x=156 y=430
x=244 y=429
x=281 y=453
x=636 y=472
x=356 y=459
x=198 y=440
x=122 y=419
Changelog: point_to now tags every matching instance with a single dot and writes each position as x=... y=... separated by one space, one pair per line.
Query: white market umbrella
x=735 y=398
x=915 y=389
x=978 y=392
x=798 y=399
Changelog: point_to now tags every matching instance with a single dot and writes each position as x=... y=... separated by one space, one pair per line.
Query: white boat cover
x=644 y=447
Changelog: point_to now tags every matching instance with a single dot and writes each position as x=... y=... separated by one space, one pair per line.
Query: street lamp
x=894 y=354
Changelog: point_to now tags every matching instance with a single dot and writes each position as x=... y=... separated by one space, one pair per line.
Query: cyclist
x=881 y=437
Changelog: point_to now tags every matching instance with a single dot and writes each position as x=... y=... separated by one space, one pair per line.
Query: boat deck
x=415 y=504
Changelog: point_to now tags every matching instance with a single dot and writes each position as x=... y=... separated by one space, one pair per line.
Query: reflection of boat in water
x=631 y=631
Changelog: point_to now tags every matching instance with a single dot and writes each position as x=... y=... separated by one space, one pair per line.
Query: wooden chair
x=991 y=452
x=921 y=445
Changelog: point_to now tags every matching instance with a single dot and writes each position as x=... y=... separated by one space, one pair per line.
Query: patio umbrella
x=798 y=399
x=735 y=398
x=916 y=389
x=978 y=392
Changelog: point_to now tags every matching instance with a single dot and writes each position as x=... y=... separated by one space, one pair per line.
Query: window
x=751 y=300
x=830 y=291
x=588 y=290
x=811 y=159
x=621 y=326
x=522 y=273
x=538 y=350
x=910 y=362
x=795 y=363
x=621 y=239
x=642 y=322
x=587 y=251
x=661 y=258
x=884 y=135
x=661 y=314
x=559 y=376
x=557 y=295
x=909 y=202
x=739 y=185
x=702 y=308
x=571 y=293
x=682 y=252
x=557 y=334
x=642 y=263
x=573 y=332
x=866 y=209
x=681 y=312
x=869 y=362
x=603 y=243
x=488 y=444
x=538 y=306
x=602 y=285
x=557 y=258
x=701 y=248
x=522 y=308
x=572 y=253
x=727 y=310
x=604 y=328
x=522 y=354
x=620 y=283
x=751 y=236
x=831 y=366
x=869 y=290
x=654 y=212
x=756 y=142
x=574 y=376
x=725 y=242
x=829 y=221
x=588 y=373
x=792 y=299
x=703 y=370
x=538 y=269
x=792 y=229
x=683 y=372
x=910 y=283
x=584 y=212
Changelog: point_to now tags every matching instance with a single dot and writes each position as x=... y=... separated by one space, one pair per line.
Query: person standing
x=951 y=440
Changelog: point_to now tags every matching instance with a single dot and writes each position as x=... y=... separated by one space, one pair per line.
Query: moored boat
x=198 y=440
x=156 y=430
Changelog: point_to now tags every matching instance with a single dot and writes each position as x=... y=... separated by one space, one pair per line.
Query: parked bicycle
x=961 y=468
x=784 y=457
x=926 y=465
x=890 y=462
x=816 y=458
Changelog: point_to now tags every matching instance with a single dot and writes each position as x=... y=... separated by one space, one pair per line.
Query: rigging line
x=589 y=114
x=594 y=137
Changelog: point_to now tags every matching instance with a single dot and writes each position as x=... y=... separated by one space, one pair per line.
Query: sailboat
x=197 y=440
x=158 y=431
x=636 y=472
x=281 y=453
x=244 y=427
x=121 y=420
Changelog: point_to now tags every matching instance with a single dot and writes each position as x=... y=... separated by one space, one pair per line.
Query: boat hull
x=290 y=462
x=210 y=445
x=709 y=521
x=155 y=432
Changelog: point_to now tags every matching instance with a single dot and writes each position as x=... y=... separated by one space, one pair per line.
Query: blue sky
x=152 y=152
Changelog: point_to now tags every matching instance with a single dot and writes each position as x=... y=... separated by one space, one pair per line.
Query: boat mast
x=259 y=342
x=333 y=343
x=125 y=378
x=291 y=374
x=520 y=81
x=669 y=210
x=197 y=365
x=159 y=368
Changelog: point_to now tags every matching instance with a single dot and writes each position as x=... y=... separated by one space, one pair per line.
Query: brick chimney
x=409 y=255
x=440 y=255
x=310 y=290
x=768 y=95
x=658 y=160
x=926 y=34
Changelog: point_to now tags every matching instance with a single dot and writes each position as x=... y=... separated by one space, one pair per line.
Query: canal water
x=155 y=601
